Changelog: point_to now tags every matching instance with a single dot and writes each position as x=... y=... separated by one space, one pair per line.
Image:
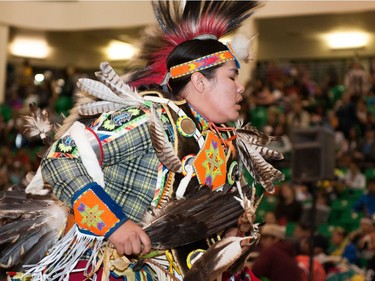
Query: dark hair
x=188 y=51
x=321 y=242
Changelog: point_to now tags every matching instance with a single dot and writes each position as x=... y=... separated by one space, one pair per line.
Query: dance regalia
x=156 y=161
x=119 y=165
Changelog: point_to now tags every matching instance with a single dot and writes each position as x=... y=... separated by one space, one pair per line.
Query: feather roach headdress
x=180 y=21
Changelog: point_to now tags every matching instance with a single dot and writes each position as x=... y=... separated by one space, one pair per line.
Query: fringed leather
x=64 y=256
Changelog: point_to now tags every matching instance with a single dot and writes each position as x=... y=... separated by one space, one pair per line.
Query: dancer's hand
x=130 y=239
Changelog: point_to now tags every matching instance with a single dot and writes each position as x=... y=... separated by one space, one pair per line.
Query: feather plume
x=163 y=147
x=99 y=90
x=13 y=230
x=267 y=153
x=38 y=123
x=239 y=264
x=35 y=184
x=12 y=207
x=262 y=172
x=111 y=93
x=109 y=77
x=180 y=21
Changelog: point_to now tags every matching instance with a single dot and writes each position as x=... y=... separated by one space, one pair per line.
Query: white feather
x=241 y=46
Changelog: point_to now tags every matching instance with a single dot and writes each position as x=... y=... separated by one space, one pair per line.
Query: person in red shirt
x=276 y=260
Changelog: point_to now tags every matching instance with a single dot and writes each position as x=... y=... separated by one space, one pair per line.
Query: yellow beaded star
x=91 y=216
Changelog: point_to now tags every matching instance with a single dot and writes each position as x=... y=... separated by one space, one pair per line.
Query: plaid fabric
x=130 y=165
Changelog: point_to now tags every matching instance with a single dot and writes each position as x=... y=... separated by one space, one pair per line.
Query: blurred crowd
x=52 y=90
x=282 y=98
x=333 y=220
x=279 y=99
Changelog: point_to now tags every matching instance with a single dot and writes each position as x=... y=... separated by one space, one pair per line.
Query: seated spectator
x=349 y=146
x=336 y=268
x=276 y=260
x=302 y=193
x=361 y=238
x=298 y=117
x=270 y=217
x=321 y=244
x=366 y=203
x=367 y=147
x=319 y=249
x=345 y=111
x=342 y=246
x=354 y=178
x=318 y=269
x=302 y=231
x=264 y=96
x=288 y=208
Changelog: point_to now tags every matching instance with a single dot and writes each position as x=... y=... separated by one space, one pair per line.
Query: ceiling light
x=118 y=50
x=347 y=40
x=38 y=78
x=29 y=47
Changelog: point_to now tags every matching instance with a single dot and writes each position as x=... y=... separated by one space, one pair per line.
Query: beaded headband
x=199 y=64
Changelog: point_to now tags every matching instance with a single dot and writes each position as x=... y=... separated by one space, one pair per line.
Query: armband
x=95 y=212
